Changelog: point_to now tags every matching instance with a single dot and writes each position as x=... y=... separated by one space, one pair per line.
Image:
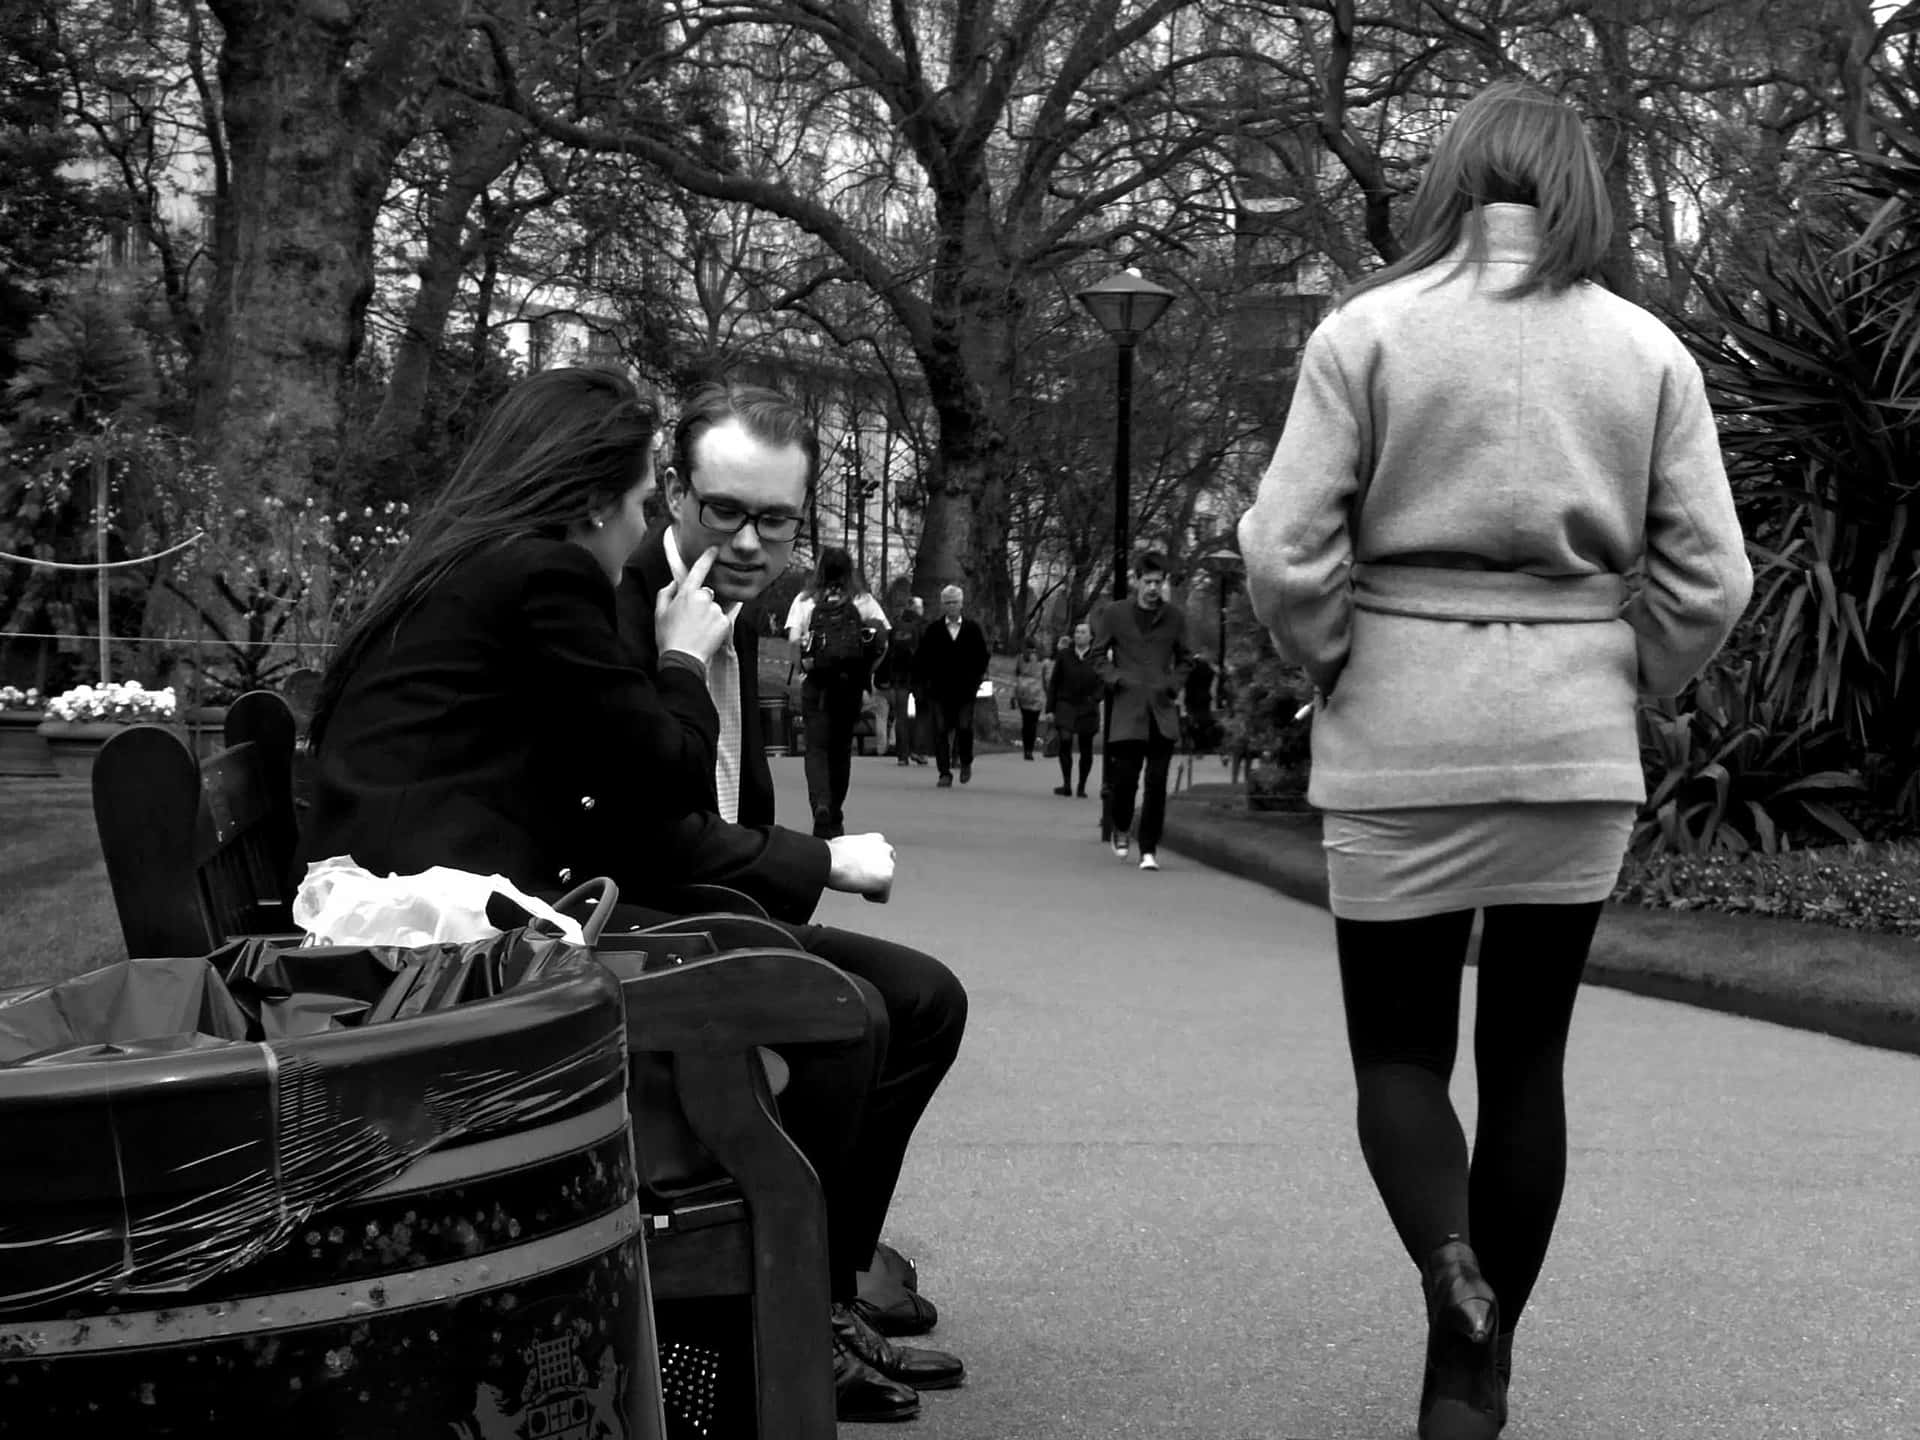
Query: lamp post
x=1223 y=563
x=1127 y=306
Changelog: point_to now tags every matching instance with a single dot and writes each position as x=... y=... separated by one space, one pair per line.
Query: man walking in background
x=952 y=662
x=1142 y=642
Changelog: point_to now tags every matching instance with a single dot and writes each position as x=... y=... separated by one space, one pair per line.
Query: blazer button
x=586 y=802
x=566 y=875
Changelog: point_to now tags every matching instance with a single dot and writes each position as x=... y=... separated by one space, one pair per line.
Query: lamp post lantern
x=1127 y=305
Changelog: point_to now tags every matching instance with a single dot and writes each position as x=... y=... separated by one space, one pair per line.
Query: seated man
x=743 y=462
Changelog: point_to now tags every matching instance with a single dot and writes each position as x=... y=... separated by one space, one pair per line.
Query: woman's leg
x=1086 y=761
x=1066 y=760
x=1029 y=731
x=1531 y=959
x=1400 y=980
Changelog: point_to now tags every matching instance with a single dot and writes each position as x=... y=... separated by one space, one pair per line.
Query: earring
x=598 y=522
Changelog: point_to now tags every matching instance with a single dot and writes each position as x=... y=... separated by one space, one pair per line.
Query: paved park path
x=1140 y=1205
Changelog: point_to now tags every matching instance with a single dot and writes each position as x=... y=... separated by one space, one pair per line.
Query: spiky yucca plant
x=1815 y=364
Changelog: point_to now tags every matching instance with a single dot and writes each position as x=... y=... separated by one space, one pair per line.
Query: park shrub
x=1814 y=363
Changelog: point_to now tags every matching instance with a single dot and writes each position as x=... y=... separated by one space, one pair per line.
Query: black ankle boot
x=1460 y=1397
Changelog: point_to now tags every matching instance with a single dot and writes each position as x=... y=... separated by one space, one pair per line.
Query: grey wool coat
x=1488 y=527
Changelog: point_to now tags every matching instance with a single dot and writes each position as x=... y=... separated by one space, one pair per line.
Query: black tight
x=1401 y=983
x=1067 y=739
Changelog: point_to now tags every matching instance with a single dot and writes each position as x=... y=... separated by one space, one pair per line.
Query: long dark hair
x=1513 y=143
x=834 y=570
x=560 y=446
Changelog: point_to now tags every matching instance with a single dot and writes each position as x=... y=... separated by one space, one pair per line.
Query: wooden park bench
x=200 y=851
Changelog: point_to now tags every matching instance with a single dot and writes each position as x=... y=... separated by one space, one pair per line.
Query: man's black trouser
x=952 y=733
x=1156 y=753
x=851 y=1107
x=832 y=709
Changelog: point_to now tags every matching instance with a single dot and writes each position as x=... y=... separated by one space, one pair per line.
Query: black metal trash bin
x=420 y=1227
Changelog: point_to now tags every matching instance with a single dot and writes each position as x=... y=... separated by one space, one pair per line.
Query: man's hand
x=860 y=864
x=687 y=618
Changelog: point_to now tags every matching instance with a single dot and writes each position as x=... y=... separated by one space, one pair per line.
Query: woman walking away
x=1073 y=695
x=1029 y=694
x=1497 y=515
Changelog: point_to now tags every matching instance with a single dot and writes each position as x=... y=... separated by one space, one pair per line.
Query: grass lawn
x=56 y=911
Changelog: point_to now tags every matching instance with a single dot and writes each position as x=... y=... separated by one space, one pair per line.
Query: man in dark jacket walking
x=948 y=670
x=1143 y=644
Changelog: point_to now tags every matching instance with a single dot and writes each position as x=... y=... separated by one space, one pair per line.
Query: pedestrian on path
x=906 y=714
x=839 y=632
x=951 y=664
x=1073 y=696
x=1140 y=645
x=1029 y=694
x=1483 y=446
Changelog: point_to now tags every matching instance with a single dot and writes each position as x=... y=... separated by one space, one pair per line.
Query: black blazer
x=783 y=869
x=501 y=727
x=948 y=667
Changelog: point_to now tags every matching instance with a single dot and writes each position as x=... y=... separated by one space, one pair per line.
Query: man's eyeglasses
x=723 y=517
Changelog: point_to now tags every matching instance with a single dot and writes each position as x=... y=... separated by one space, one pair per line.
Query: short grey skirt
x=1402 y=864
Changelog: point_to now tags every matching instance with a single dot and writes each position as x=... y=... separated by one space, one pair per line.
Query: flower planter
x=72 y=744
x=22 y=751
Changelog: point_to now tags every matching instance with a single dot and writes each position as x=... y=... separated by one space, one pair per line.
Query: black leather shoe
x=966 y=773
x=862 y=1393
x=895 y=1311
x=945 y=782
x=1062 y=790
x=1460 y=1396
x=903 y=1364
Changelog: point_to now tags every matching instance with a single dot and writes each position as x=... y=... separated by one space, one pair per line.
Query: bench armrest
x=736 y=1001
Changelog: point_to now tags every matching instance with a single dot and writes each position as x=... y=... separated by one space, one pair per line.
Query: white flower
x=125 y=702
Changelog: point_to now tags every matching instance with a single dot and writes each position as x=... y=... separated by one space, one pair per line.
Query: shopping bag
x=342 y=903
x=1052 y=747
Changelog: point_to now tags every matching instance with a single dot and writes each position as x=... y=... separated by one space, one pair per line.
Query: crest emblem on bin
x=556 y=1402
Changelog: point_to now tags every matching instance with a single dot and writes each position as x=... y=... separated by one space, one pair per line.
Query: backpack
x=835 y=641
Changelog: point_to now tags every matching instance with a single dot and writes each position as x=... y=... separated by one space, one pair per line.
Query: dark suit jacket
x=949 y=668
x=501 y=727
x=1148 y=660
x=783 y=869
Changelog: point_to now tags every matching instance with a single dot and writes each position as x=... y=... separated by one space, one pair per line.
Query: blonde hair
x=1513 y=143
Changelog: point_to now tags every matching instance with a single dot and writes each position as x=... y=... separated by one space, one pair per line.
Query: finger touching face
x=734 y=475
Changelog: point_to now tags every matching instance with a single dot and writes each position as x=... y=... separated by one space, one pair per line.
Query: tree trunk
x=1615 y=120
x=480 y=147
x=317 y=98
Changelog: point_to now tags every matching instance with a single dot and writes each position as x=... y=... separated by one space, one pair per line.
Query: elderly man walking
x=1142 y=642
x=948 y=669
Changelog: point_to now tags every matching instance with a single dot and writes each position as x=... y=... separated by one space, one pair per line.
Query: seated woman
x=482 y=712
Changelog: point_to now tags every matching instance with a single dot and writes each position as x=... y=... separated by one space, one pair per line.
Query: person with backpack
x=839 y=631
